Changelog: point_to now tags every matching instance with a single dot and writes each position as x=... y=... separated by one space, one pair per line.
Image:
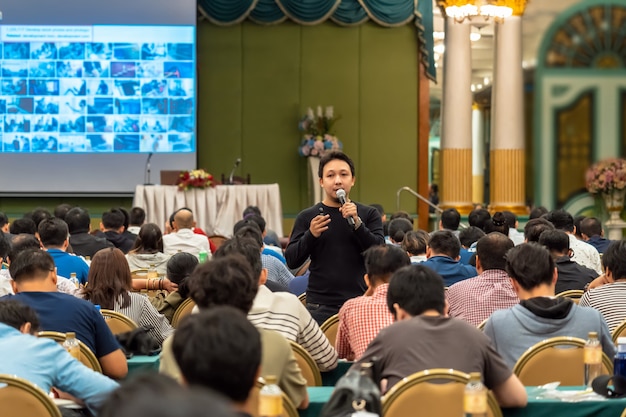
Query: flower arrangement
x=606 y=175
x=196 y=178
x=318 y=137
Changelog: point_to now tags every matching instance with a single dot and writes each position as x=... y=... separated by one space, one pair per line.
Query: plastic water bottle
x=270 y=398
x=74 y=279
x=98 y=308
x=203 y=256
x=619 y=363
x=592 y=358
x=475 y=399
x=71 y=344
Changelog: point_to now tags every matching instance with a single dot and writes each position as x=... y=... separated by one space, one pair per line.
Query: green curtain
x=388 y=13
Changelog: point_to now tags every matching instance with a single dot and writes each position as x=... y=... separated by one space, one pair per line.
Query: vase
x=614 y=202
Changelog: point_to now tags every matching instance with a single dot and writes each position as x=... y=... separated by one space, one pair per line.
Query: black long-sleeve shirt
x=337 y=265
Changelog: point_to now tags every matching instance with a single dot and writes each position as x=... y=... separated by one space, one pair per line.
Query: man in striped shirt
x=610 y=298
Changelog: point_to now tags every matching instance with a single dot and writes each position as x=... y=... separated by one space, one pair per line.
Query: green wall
x=257 y=81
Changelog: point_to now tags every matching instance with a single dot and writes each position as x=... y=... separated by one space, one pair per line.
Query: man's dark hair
x=23 y=225
x=245 y=246
x=444 y=242
x=113 y=219
x=555 y=241
x=5 y=246
x=478 y=218
x=416 y=289
x=251 y=210
x=38 y=215
x=332 y=156
x=398 y=228
x=577 y=222
x=530 y=264
x=510 y=218
x=137 y=216
x=450 y=219
x=591 y=226
x=157 y=395
x=401 y=215
x=561 y=220
x=126 y=217
x=379 y=208
x=415 y=242
x=497 y=223
x=61 y=210
x=535 y=227
x=491 y=250
x=614 y=259
x=470 y=235
x=226 y=280
x=31 y=264
x=219 y=349
x=249 y=229
x=22 y=242
x=260 y=221
x=382 y=261
x=78 y=220
x=15 y=314
x=52 y=232
x=3 y=219
x=537 y=212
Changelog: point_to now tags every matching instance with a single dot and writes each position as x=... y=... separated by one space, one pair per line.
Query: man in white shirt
x=183 y=238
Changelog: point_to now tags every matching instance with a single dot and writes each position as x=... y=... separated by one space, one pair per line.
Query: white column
x=456 y=131
x=507 y=128
x=478 y=155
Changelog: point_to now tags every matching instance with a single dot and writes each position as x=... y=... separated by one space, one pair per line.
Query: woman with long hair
x=179 y=267
x=110 y=286
x=148 y=250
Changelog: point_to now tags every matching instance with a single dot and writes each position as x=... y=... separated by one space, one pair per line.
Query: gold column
x=457 y=179
x=508 y=180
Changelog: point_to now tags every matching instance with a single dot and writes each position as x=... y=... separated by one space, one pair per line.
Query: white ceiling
x=536 y=20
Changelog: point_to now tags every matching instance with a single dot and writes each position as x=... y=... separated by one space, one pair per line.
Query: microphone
x=341 y=196
x=146 y=175
x=232 y=172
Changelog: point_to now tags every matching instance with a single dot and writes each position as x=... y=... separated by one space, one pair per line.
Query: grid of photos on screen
x=97 y=97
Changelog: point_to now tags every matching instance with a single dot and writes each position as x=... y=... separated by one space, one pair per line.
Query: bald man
x=183 y=239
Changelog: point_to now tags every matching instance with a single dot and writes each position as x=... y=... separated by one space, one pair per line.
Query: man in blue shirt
x=34 y=284
x=54 y=237
x=43 y=361
x=443 y=257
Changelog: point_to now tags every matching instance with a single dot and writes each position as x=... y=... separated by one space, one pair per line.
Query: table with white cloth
x=215 y=209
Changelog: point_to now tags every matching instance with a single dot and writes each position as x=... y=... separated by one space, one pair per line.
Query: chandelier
x=460 y=10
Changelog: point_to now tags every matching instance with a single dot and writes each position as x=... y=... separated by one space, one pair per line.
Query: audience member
x=54 y=237
x=79 y=225
x=433 y=197
x=443 y=258
x=424 y=337
x=450 y=220
x=577 y=232
x=478 y=218
x=398 y=228
x=136 y=220
x=415 y=244
x=4 y=223
x=147 y=251
x=468 y=238
x=584 y=253
x=592 y=233
x=334 y=243
x=571 y=276
x=534 y=228
x=128 y=235
x=5 y=277
x=110 y=287
x=610 y=298
x=497 y=223
x=38 y=215
x=270 y=238
x=515 y=235
x=179 y=268
x=112 y=229
x=34 y=283
x=537 y=212
x=271 y=250
x=23 y=225
x=361 y=318
x=61 y=210
x=183 y=238
x=229 y=281
x=473 y=300
x=43 y=361
x=539 y=315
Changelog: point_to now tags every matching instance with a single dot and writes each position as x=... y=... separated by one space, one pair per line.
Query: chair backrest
x=573 y=294
x=308 y=367
x=330 y=328
x=21 y=398
x=433 y=392
x=556 y=359
x=482 y=324
x=217 y=240
x=117 y=322
x=289 y=410
x=619 y=331
x=184 y=309
x=86 y=356
x=302 y=270
x=302 y=298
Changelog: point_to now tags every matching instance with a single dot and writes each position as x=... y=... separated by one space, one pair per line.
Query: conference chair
x=433 y=392
x=619 y=331
x=308 y=367
x=217 y=240
x=117 y=322
x=302 y=298
x=184 y=309
x=573 y=294
x=330 y=328
x=556 y=359
x=482 y=324
x=86 y=356
x=289 y=410
x=20 y=398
